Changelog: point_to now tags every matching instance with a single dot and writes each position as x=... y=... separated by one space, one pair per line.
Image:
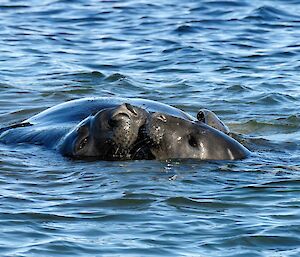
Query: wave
x=270 y=13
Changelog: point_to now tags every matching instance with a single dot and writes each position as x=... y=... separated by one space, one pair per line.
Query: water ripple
x=239 y=58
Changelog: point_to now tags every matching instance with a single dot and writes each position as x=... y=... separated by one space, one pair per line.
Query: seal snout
x=125 y=112
x=154 y=128
x=130 y=108
x=116 y=130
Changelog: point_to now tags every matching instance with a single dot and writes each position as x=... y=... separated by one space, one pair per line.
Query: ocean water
x=239 y=58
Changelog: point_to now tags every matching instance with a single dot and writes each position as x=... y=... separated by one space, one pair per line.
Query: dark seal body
x=108 y=128
x=48 y=127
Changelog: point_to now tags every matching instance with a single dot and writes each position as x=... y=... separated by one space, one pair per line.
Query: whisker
x=142 y=144
x=143 y=141
x=116 y=152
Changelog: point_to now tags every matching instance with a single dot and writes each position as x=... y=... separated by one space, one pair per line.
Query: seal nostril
x=130 y=108
x=117 y=118
x=201 y=116
x=161 y=117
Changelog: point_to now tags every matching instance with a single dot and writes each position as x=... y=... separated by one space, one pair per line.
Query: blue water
x=239 y=58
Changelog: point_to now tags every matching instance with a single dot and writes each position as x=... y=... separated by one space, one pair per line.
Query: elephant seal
x=106 y=128
x=110 y=134
x=171 y=137
x=76 y=110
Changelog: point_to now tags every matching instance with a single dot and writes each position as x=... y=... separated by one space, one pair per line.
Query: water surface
x=239 y=58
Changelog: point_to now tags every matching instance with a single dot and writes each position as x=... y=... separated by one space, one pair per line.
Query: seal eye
x=83 y=143
x=201 y=116
x=192 y=141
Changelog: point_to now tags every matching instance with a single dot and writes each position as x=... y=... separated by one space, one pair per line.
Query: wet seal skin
x=110 y=134
x=111 y=128
x=175 y=138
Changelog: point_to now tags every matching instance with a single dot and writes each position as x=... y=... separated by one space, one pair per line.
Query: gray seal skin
x=51 y=125
x=210 y=118
x=76 y=110
x=78 y=128
x=175 y=138
x=110 y=134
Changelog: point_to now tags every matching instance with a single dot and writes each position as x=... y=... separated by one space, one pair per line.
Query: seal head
x=110 y=134
x=171 y=138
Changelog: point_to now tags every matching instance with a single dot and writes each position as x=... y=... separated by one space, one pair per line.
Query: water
x=239 y=58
